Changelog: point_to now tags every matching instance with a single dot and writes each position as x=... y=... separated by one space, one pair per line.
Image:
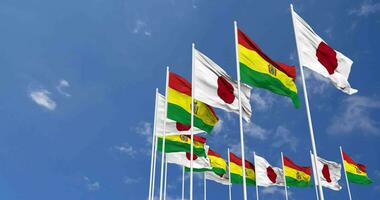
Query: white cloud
x=316 y=84
x=91 y=185
x=41 y=97
x=328 y=32
x=283 y=137
x=365 y=9
x=275 y=190
x=255 y=131
x=145 y=129
x=261 y=100
x=130 y=180
x=141 y=27
x=60 y=87
x=355 y=114
x=126 y=149
x=218 y=127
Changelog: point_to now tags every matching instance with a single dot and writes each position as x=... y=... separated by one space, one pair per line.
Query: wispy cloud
x=42 y=98
x=328 y=32
x=365 y=9
x=274 y=190
x=355 y=114
x=140 y=27
x=218 y=127
x=91 y=185
x=130 y=180
x=126 y=149
x=256 y=131
x=145 y=129
x=261 y=100
x=283 y=137
x=61 y=86
x=316 y=84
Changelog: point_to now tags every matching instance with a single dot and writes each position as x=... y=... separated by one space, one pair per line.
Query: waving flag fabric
x=318 y=56
x=183 y=159
x=218 y=168
x=266 y=174
x=216 y=88
x=258 y=70
x=329 y=173
x=356 y=173
x=179 y=105
x=237 y=171
x=295 y=175
x=172 y=127
x=182 y=143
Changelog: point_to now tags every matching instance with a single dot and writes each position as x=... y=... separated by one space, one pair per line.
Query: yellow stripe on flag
x=238 y=170
x=296 y=174
x=217 y=162
x=254 y=61
x=353 y=169
x=184 y=139
x=202 y=111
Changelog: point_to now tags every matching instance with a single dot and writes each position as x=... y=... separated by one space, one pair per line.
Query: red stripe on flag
x=179 y=83
x=291 y=164
x=237 y=161
x=351 y=161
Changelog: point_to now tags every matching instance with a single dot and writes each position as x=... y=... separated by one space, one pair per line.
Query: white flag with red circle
x=216 y=88
x=183 y=159
x=315 y=54
x=329 y=173
x=266 y=174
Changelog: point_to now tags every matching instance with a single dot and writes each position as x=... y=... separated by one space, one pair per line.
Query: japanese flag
x=315 y=54
x=266 y=174
x=329 y=173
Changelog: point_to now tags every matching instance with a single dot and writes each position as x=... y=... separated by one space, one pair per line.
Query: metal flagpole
x=154 y=167
x=314 y=176
x=257 y=187
x=192 y=122
x=183 y=183
x=166 y=176
x=240 y=112
x=229 y=175
x=307 y=109
x=283 y=168
x=345 y=173
x=204 y=186
x=153 y=146
x=164 y=134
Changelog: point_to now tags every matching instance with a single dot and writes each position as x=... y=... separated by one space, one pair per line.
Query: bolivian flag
x=179 y=105
x=296 y=176
x=182 y=143
x=356 y=173
x=237 y=171
x=258 y=70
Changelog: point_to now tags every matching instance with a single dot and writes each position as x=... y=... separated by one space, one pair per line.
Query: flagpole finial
x=156 y=90
x=291 y=6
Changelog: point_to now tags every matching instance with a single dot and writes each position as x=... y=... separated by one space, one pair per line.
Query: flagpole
x=183 y=183
x=307 y=109
x=257 y=187
x=192 y=122
x=345 y=173
x=229 y=175
x=166 y=176
x=240 y=112
x=283 y=168
x=204 y=187
x=154 y=167
x=314 y=176
x=153 y=146
x=164 y=134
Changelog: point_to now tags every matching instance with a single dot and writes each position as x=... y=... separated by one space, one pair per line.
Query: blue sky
x=78 y=79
